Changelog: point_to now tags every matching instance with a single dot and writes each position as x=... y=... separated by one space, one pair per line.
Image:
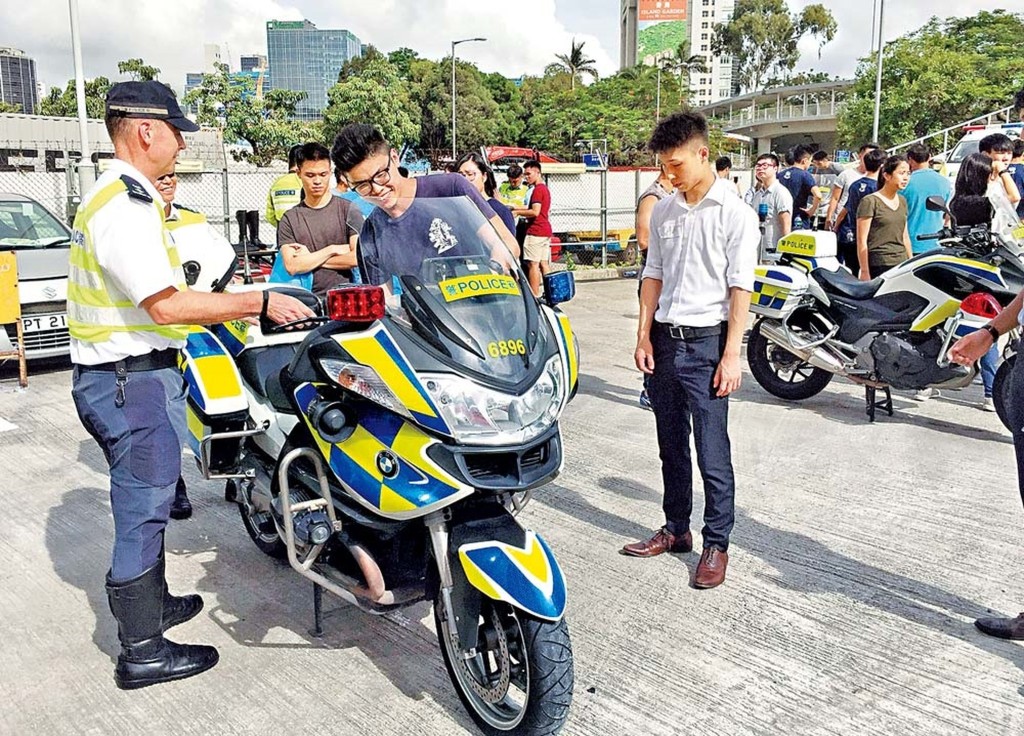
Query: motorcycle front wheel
x=781 y=373
x=520 y=679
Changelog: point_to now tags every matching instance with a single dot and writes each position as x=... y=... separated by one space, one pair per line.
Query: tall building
x=212 y=56
x=252 y=62
x=18 y=84
x=305 y=58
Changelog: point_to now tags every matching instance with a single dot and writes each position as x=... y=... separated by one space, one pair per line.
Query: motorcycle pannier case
x=777 y=290
x=215 y=400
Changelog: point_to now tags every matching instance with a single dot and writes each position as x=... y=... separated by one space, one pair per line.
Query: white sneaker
x=925 y=394
x=988 y=404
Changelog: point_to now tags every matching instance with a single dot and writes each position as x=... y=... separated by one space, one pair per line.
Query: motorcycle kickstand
x=318 y=612
x=873 y=403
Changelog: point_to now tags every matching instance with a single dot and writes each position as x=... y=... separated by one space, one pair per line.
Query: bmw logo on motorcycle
x=387 y=464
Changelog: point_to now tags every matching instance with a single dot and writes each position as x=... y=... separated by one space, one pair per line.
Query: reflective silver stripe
x=112 y=317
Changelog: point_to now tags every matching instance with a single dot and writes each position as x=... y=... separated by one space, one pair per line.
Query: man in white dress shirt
x=693 y=310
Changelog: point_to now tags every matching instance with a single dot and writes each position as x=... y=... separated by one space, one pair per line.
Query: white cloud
x=523 y=37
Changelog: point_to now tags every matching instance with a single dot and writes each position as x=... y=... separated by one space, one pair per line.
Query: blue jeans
x=682 y=395
x=989 y=364
x=142 y=442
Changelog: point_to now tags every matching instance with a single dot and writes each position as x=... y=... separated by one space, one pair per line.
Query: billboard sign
x=657 y=10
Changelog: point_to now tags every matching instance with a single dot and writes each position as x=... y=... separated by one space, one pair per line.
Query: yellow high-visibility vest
x=285 y=193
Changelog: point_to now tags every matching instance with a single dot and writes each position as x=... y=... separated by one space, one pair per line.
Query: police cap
x=150 y=100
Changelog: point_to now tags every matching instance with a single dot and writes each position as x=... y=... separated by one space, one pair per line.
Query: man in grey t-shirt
x=772 y=202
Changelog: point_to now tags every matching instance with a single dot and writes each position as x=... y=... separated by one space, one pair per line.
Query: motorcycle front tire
x=767 y=373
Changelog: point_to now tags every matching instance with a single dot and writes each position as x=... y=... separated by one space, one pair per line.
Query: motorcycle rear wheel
x=781 y=373
x=520 y=682
x=1001 y=390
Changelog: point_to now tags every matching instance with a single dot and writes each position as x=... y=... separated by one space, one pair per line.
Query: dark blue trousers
x=1015 y=410
x=142 y=442
x=682 y=395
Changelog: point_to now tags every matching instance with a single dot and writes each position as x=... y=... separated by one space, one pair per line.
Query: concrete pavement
x=861 y=555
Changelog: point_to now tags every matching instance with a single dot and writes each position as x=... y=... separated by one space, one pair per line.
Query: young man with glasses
x=370 y=165
x=772 y=202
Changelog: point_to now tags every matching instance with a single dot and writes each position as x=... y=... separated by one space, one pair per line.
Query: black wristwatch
x=992 y=331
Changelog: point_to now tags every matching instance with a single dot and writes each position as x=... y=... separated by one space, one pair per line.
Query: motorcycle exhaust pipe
x=802 y=348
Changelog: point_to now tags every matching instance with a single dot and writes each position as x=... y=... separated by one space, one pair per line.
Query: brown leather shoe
x=1003 y=628
x=711 y=568
x=662 y=541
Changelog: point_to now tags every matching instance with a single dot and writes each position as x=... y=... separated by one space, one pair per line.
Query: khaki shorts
x=537 y=249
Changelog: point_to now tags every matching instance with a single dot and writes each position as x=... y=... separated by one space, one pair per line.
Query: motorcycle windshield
x=451 y=279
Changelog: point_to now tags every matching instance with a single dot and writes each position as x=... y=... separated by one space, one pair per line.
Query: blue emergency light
x=559 y=287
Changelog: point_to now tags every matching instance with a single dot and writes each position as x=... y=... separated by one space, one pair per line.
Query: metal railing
x=985 y=119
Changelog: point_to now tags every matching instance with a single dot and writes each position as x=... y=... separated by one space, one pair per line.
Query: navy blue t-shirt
x=1017 y=172
x=800 y=184
x=858 y=190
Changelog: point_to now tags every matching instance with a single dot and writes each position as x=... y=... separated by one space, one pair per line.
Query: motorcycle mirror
x=936 y=203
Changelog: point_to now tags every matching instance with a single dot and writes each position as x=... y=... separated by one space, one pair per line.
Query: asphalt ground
x=861 y=555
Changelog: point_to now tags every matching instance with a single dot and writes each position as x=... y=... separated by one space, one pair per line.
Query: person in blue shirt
x=1016 y=170
x=867 y=184
x=802 y=186
x=924 y=182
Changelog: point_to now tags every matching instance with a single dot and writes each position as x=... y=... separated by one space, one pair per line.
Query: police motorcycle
x=815 y=320
x=385 y=447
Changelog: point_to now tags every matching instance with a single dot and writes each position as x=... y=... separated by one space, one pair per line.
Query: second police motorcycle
x=384 y=448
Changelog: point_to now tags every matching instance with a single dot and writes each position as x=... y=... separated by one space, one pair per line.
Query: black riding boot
x=181 y=507
x=146 y=657
x=252 y=222
x=177 y=609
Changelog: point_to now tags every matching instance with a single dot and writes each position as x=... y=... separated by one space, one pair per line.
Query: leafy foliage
x=945 y=72
x=661 y=37
x=63 y=103
x=763 y=37
x=375 y=95
x=138 y=70
x=576 y=64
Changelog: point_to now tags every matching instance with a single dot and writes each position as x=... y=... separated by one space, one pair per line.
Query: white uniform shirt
x=699 y=252
x=128 y=236
x=779 y=200
x=843 y=181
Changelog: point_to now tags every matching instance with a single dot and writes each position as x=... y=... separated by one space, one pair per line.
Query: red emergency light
x=980 y=304
x=355 y=303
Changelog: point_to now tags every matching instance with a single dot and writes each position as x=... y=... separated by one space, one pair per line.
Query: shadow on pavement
x=601 y=389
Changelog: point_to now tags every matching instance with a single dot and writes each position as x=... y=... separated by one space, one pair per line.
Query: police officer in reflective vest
x=127 y=304
x=286 y=191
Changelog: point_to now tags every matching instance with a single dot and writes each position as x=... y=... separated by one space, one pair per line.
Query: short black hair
x=865 y=147
x=514 y=171
x=722 y=163
x=311 y=152
x=801 y=152
x=1018 y=148
x=678 y=129
x=820 y=155
x=873 y=159
x=356 y=143
x=293 y=154
x=790 y=156
x=768 y=157
x=919 y=153
x=996 y=143
x=532 y=164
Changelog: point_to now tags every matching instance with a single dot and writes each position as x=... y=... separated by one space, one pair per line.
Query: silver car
x=42 y=245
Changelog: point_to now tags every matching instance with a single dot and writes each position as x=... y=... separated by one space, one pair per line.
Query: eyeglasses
x=382 y=177
x=764 y=165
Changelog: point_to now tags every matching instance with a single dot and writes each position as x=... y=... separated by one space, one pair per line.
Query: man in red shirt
x=537 y=247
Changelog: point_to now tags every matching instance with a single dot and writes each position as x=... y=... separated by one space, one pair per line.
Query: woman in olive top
x=882 y=238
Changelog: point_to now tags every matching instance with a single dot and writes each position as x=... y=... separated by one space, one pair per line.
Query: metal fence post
x=604 y=217
x=227 y=203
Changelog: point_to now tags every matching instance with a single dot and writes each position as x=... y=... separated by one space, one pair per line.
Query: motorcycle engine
x=906 y=360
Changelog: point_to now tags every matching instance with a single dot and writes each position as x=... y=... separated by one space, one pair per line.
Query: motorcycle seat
x=261 y=368
x=843 y=283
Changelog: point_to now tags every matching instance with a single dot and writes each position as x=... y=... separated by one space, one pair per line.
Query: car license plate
x=40 y=322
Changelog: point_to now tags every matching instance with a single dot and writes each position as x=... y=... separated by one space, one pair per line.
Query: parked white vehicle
x=969 y=144
x=42 y=245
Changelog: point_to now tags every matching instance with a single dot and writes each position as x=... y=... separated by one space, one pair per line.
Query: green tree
x=264 y=124
x=64 y=103
x=685 y=64
x=376 y=96
x=763 y=37
x=402 y=59
x=138 y=70
x=947 y=71
x=576 y=64
x=9 y=107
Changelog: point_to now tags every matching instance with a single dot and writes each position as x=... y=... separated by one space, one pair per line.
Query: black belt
x=682 y=332
x=154 y=361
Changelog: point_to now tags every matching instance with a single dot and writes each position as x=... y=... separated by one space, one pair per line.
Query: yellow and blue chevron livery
x=384 y=464
x=526 y=577
x=570 y=352
x=967 y=266
x=214 y=385
x=378 y=350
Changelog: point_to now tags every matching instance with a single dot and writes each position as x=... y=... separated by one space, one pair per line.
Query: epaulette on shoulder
x=136 y=190
x=188 y=209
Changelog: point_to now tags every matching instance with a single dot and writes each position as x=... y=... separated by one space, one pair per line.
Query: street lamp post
x=657 y=106
x=86 y=170
x=454 y=44
x=878 y=73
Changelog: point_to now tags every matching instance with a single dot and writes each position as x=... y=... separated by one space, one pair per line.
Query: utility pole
x=455 y=154
x=86 y=169
x=878 y=75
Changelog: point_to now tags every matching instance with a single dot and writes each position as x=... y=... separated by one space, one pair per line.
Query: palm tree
x=685 y=64
x=576 y=64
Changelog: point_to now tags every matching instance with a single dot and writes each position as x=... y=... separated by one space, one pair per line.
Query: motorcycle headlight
x=363 y=380
x=479 y=415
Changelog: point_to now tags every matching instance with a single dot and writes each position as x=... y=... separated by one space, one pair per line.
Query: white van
x=969 y=144
x=42 y=246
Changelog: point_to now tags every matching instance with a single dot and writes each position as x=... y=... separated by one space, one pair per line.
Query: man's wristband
x=266 y=303
x=992 y=331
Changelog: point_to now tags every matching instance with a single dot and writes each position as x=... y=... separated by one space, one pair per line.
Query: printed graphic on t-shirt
x=441 y=236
